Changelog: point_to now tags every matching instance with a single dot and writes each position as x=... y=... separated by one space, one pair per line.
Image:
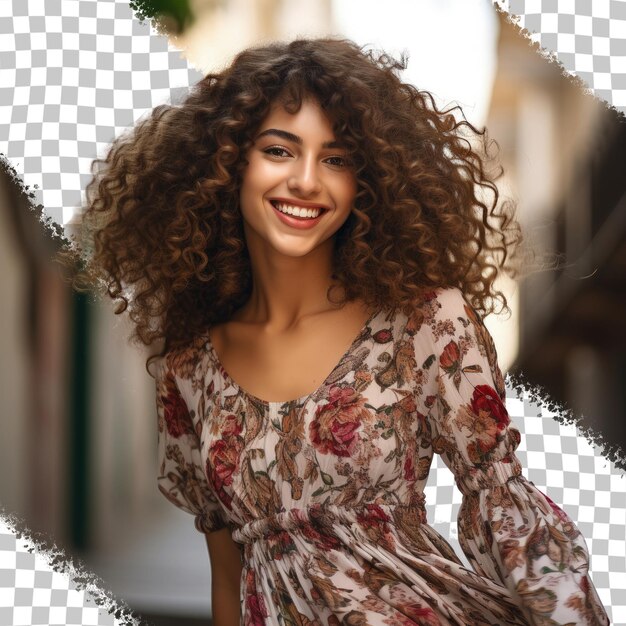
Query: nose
x=304 y=179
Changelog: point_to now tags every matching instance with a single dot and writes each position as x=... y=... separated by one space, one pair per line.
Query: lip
x=301 y=203
x=294 y=222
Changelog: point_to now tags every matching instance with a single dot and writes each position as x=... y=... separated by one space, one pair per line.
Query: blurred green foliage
x=174 y=16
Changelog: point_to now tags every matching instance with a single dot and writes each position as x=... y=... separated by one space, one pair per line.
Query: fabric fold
x=324 y=495
x=509 y=530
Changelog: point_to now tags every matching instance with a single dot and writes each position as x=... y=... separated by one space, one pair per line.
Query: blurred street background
x=78 y=444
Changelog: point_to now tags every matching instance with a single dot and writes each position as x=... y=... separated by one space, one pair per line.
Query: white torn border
x=84 y=589
x=552 y=56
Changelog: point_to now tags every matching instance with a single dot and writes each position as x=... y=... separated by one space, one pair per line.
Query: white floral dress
x=325 y=493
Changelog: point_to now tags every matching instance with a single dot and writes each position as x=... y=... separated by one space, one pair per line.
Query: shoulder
x=451 y=301
x=454 y=315
x=441 y=305
x=181 y=362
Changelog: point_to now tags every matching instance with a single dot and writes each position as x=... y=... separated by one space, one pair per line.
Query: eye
x=338 y=161
x=276 y=151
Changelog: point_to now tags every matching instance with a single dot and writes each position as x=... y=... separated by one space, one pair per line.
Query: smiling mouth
x=296 y=211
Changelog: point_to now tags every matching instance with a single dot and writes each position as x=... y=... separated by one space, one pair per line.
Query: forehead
x=309 y=114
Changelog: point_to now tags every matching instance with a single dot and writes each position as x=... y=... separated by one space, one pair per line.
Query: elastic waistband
x=323 y=517
x=498 y=473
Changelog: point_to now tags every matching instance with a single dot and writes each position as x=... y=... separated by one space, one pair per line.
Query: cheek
x=349 y=189
x=251 y=187
x=258 y=179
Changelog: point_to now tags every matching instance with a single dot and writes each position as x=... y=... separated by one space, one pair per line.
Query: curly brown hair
x=162 y=231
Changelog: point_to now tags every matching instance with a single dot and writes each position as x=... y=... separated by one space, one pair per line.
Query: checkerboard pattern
x=76 y=73
x=31 y=592
x=587 y=37
x=562 y=464
x=556 y=458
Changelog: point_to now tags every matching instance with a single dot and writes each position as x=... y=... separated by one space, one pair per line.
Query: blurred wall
x=14 y=370
x=35 y=319
x=563 y=152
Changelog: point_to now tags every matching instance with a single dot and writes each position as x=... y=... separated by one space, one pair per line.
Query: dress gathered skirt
x=324 y=493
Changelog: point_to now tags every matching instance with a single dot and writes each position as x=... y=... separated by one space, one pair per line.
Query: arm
x=226 y=569
x=509 y=530
x=182 y=480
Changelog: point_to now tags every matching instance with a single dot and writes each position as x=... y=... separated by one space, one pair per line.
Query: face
x=298 y=187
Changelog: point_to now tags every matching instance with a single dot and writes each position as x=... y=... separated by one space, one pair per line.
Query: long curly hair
x=162 y=232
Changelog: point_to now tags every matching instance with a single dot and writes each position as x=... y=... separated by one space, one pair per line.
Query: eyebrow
x=283 y=134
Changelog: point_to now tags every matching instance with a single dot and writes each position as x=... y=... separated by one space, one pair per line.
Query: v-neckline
x=302 y=399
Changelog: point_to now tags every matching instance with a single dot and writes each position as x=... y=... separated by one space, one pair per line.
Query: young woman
x=314 y=241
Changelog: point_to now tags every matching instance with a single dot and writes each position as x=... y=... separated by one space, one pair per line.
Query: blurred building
x=36 y=316
x=564 y=155
x=222 y=29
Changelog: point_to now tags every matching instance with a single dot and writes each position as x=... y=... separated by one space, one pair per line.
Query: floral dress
x=324 y=494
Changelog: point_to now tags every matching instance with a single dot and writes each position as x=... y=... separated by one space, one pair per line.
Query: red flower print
x=223 y=458
x=382 y=336
x=584 y=585
x=280 y=544
x=175 y=412
x=256 y=612
x=322 y=541
x=487 y=400
x=334 y=430
x=375 y=523
x=372 y=516
x=231 y=427
x=450 y=356
x=409 y=468
x=423 y=615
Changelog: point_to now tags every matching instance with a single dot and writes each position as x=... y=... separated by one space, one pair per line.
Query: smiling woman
x=295 y=195
x=312 y=238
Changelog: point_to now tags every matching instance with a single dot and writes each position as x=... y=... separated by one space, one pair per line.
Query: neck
x=287 y=289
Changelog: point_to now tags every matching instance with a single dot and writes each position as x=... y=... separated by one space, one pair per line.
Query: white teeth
x=297 y=211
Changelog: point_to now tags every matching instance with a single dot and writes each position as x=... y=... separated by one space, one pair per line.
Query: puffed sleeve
x=181 y=477
x=509 y=530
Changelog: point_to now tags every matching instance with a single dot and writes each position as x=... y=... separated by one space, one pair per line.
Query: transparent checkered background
x=570 y=471
x=558 y=460
x=31 y=592
x=587 y=37
x=74 y=74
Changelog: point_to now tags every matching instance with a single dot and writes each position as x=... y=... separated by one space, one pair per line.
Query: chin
x=294 y=251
